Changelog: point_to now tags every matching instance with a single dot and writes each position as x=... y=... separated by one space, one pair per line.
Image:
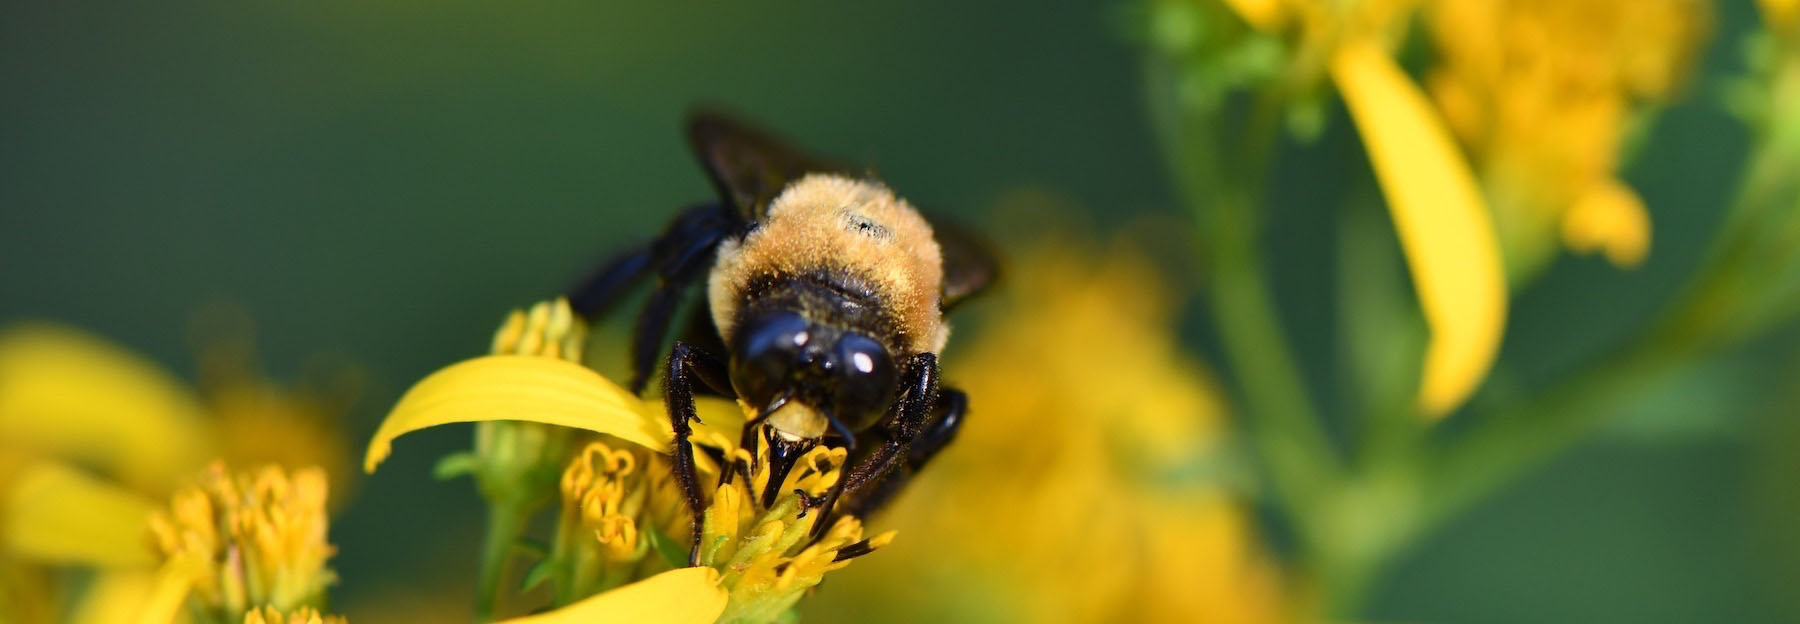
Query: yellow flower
x=1542 y=93
x=69 y=399
x=617 y=492
x=1080 y=489
x=1440 y=216
x=255 y=539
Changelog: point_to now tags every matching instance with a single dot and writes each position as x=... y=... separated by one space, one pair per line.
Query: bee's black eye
x=866 y=375
x=766 y=350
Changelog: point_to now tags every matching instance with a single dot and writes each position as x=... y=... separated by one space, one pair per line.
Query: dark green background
x=382 y=180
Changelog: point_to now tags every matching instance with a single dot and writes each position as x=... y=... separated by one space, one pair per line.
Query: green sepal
x=671 y=552
x=455 y=465
x=539 y=572
x=532 y=546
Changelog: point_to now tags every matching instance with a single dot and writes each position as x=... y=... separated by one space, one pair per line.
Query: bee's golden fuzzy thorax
x=831 y=222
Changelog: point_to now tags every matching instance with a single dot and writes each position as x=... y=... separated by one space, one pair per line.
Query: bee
x=823 y=315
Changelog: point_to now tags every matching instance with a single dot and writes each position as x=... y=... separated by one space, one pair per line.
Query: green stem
x=505 y=524
x=1285 y=425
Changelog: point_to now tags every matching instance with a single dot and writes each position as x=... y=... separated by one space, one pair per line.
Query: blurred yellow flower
x=1780 y=15
x=1080 y=490
x=70 y=399
x=1542 y=93
x=255 y=539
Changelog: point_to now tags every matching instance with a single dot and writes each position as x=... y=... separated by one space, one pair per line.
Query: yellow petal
x=166 y=595
x=519 y=387
x=56 y=514
x=677 y=596
x=719 y=418
x=134 y=597
x=1263 y=15
x=1442 y=221
x=65 y=392
x=1609 y=217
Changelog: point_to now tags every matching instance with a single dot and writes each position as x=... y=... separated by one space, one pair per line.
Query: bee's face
x=779 y=356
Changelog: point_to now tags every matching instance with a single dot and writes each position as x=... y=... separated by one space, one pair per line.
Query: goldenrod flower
x=1440 y=216
x=248 y=540
x=599 y=543
x=68 y=398
x=1542 y=93
x=617 y=492
x=1080 y=488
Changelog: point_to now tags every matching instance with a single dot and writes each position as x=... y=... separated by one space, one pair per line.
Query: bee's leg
x=952 y=404
x=652 y=326
x=746 y=440
x=918 y=396
x=601 y=290
x=685 y=364
x=597 y=293
x=679 y=257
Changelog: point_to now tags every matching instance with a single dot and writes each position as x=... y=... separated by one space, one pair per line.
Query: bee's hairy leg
x=686 y=364
x=919 y=394
x=952 y=404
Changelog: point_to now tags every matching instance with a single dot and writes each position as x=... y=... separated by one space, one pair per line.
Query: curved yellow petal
x=1611 y=218
x=674 y=597
x=719 y=418
x=57 y=514
x=1443 y=223
x=65 y=392
x=519 y=387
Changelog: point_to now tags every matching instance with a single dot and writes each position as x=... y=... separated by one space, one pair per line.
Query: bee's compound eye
x=867 y=376
x=765 y=351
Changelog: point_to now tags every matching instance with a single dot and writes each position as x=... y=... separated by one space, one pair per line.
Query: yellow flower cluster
x=249 y=540
x=613 y=494
x=548 y=329
x=1542 y=93
x=603 y=491
x=765 y=557
x=599 y=543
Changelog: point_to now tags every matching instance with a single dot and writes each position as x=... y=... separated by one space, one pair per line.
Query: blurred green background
x=380 y=181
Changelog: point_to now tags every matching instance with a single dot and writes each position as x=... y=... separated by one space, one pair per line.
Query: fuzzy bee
x=823 y=315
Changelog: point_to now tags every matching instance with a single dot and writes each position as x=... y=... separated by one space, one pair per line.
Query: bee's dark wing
x=748 y=166
x=969 y=262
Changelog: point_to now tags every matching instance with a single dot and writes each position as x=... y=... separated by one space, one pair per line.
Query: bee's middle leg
x=687 y=363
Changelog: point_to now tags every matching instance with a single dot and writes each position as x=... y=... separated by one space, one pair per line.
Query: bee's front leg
x=870 y=496
x=685 y=364
x=919 y=393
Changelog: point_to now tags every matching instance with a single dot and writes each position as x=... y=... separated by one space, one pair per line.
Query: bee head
x=779 y=356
